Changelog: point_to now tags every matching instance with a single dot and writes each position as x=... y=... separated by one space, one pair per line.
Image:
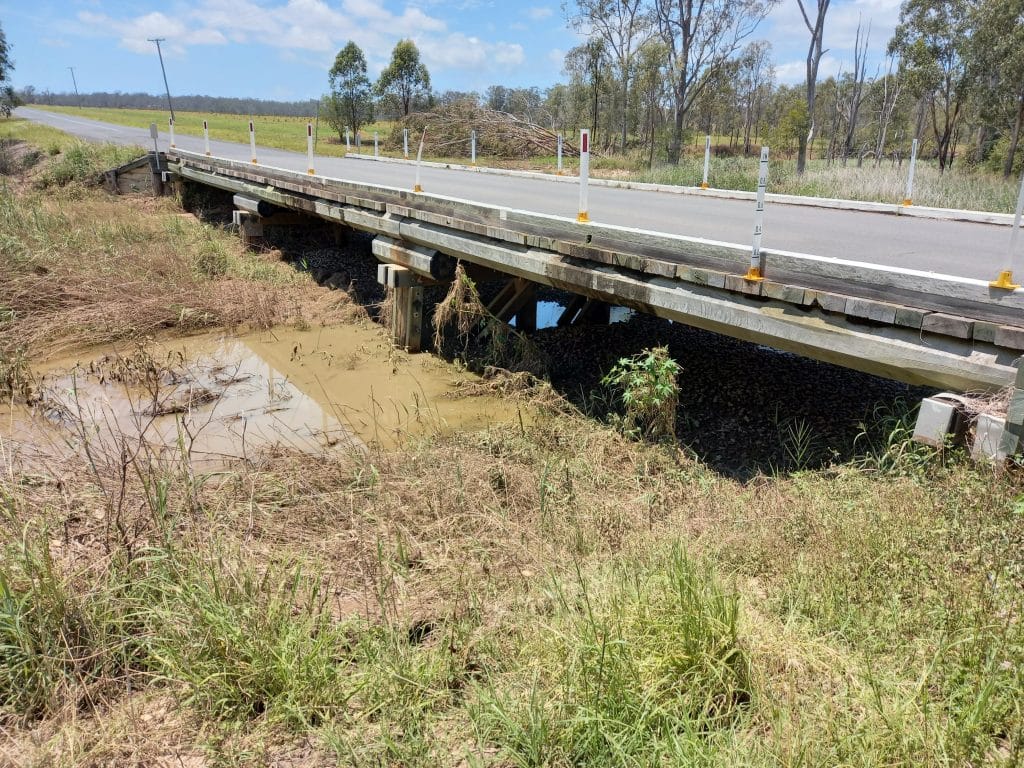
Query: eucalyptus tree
x=701 y=36
x=814 y=54
x=623 y=26
x=405 y=78
x=997 y=54
x=350 y=89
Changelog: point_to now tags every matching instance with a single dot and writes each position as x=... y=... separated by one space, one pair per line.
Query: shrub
x=646 y=384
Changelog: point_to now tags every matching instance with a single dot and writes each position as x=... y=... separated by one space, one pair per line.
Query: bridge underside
x=906 y=337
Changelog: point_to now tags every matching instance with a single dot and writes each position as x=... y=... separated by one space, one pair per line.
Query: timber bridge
x=916 y=305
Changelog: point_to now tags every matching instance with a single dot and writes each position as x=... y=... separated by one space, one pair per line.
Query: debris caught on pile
x=498 y=134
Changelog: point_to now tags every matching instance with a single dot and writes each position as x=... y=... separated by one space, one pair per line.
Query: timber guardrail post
x=908 y=199
x=584 y=214
x=1005 y=279
x=707 y=160
x=756 y=271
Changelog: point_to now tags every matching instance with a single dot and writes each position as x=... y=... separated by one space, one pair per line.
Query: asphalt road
x=948 y=247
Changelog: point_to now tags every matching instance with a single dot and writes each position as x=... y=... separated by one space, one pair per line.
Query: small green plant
x=646 y=385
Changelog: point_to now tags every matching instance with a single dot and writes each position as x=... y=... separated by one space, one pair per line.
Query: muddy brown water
x=220 y=398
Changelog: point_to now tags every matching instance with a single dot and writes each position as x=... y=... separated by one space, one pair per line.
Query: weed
x=647 y=386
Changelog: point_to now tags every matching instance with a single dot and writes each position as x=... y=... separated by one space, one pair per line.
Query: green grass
x=271 y=131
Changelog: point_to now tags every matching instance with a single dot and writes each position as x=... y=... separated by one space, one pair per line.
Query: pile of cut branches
x=498 y=134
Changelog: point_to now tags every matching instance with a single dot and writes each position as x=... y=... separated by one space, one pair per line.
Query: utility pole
x=75 y=82
x=159 y=53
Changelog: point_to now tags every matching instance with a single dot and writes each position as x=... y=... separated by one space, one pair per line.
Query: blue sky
x=281 y=49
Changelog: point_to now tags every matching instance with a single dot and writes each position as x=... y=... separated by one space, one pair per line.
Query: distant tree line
x=195 y=103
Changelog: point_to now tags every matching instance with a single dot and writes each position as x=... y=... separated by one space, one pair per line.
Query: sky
x=282 y=49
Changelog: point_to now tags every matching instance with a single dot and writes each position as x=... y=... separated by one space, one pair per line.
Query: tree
x=587 y=62
x=8 y=98
x=405 y=78
x=350 y=97
x=623 y=26
x=932 y=40
x=814 y=54
x=997 y=54
x=756 y=79
x=701 y=36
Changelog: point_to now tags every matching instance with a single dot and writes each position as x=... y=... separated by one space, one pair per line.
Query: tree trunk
x=1011 y=151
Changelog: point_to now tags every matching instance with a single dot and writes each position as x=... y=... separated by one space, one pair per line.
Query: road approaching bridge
x=900 y=297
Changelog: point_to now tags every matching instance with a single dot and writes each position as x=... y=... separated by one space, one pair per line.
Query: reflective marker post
x=405 y=143
x=472 y=147
x=756 y=271
x=560 y=141
x=584 y=214
x=707 y=161
x=1005 y=279
x=419 y=159
x=348 y=140
x=170 y=125
x=376 y=146
x=206 y=137
x=909 y=198
x=252 y=141
x=309 y=149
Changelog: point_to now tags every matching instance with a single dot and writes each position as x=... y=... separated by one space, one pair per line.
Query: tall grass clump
x=639 y=665
x=85 y=163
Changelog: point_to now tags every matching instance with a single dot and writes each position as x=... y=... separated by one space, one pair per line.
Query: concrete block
x=988 y=438
x=948 y=325
x=1010 y=337
x=909 y=317
x=1020 y=374
x=937 y=420
x=871 y=310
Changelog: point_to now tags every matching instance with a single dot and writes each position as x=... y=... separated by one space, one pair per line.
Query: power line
x=159 y=53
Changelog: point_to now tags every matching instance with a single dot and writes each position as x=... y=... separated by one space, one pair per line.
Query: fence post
x=376 y=146
x=170 y=125
x=309 y=149
x=405 y=143
x=252 y=142
x=419 y=159
x=707 y=160
x=909 y=198
x=584 y=214
x=560 y=140
x=1005 y=279
x=206 y=137
x=756 y=271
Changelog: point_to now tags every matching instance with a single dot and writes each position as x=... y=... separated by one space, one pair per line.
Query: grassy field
x=547 y=593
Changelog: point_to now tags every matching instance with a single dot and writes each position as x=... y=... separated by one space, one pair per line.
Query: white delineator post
x=309 y=149
x=206 y=137
x=756 y=271
x=405 y=143
x=252 y=142
x=419 y=159
x=348 y=141
x=559 y=161
x=376 y=146
x=584 y=214
x=170 y=126
x=1005 y=279
x=472 y=147
x=707 y=161
x=909 y=197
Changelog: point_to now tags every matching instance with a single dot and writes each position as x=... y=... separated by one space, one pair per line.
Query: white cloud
x=313 y=26
x=537 y=13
